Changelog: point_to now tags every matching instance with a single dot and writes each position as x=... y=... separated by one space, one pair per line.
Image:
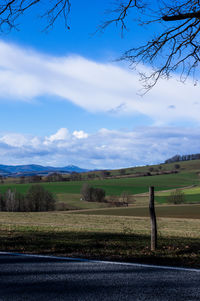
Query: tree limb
x=182 y=16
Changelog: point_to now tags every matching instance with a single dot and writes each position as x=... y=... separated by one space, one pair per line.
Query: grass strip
x=127 y=247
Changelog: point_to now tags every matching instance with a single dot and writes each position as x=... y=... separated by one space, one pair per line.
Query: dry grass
x=101 y=237
x=63 y=221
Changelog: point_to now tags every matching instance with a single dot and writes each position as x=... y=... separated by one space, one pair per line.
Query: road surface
x=48 y=278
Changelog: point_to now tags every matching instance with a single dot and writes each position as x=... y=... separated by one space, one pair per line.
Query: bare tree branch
x=175 y=49
x=121 y=11
x=12 y=10
x=182 y=16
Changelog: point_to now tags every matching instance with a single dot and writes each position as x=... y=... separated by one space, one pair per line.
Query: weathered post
x=153 y=219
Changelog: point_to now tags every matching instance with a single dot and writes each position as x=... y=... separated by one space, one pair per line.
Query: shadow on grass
x=174 y=251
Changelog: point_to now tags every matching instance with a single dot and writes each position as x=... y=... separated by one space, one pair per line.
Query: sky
x=65 y=99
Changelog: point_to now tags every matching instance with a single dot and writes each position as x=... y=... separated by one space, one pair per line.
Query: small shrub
x=125 y=197
x=176 y=197
x=86 y=192
x=91 y=194
x=122 y=172
x=39 y=199
x=115 y=201
x=12 y=201
x=98 y=195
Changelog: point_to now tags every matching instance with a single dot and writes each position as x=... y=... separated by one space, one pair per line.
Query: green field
x=117 y=186
x=69 y=192
x=191 y=196
x=74 y=202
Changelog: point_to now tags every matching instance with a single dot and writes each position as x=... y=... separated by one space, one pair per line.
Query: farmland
x=101 y=237
x=93 y=230
x=179 y=211
x=70 y=191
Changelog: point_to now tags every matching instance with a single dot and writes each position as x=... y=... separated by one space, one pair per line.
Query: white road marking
x=104 y=262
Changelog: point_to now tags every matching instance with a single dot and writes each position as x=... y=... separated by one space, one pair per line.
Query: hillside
x=148 y=170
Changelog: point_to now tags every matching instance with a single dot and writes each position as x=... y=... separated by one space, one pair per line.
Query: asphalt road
x=31 y=278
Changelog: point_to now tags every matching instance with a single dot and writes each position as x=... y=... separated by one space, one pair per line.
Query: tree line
x=178 y=158
x=59 y=177
x=36 y=199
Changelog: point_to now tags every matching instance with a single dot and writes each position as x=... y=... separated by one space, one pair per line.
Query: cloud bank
x=103 y=149
x=96 y=87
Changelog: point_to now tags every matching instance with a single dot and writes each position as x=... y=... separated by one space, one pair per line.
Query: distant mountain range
x=32 y=169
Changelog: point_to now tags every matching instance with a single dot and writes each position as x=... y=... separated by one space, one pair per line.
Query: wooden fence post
x=153 y=219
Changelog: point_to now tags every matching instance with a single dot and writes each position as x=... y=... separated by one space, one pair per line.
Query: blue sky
x=65 y=100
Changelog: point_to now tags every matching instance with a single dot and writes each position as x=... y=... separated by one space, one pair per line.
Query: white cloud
x=96 y=87
x=16 y=140
x=80 y=134
x=61 y=134
x=103 y=149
